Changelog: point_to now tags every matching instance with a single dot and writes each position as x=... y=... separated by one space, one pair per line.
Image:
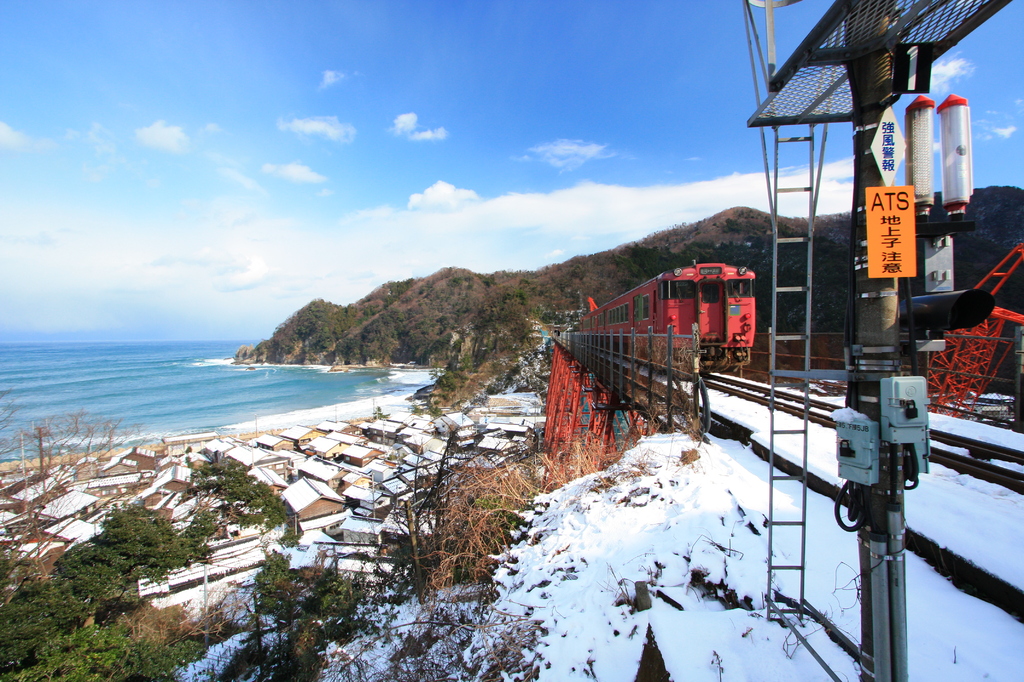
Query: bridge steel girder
x=577 y=405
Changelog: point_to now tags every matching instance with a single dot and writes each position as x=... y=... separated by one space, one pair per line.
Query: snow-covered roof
x=269 y=441
x=246 y=455
x=268 y=476
x=494 y=443
x=323 y=444
x=349 y=438
x=324 y=521
x=74 y=530
x=190 y=438
x=306 y=491
x=320 y=469
x=361 y=524
x=69 y=503
x=220 y=445
x=358 y=492
x=296 y=432
x=359 y=452
x=114 y=481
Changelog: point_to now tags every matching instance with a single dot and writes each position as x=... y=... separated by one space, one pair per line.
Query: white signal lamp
x=957 y=168
x=920 y=169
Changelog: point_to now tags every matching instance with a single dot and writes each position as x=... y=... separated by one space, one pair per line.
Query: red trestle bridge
x=606 y=388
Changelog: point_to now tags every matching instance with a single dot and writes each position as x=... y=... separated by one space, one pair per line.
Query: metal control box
x=904 y=411
x=857 y=448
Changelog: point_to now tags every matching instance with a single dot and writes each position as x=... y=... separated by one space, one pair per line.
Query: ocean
x=161 y=388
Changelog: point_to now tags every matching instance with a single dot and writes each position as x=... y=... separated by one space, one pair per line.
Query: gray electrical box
x=904 y=408
x=857 y=448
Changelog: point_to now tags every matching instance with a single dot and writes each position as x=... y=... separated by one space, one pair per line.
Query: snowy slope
x=685 y=527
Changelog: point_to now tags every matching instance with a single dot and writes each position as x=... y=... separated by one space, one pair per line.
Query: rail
x=656 y=374
x=977 y=464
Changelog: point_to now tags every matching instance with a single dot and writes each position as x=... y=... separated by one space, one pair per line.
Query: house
x=359 y=455
x=330 y=524
x=112 y=486
x=325 y=447
x=172 y=481
x=270 y=477
x=299 y=436
x=246 y=455
x=142 y=459
x=279 y=464
x=325 y=472
x=215 y=449
x=193 y=442
x=273 y=443
x=355 y=478
x=72 y=503
x=384 y=430
x=366 y=499
x=360 y=530
x=347 y=438
x=308 y=498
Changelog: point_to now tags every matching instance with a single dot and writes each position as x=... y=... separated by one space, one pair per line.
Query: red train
x=718 y=297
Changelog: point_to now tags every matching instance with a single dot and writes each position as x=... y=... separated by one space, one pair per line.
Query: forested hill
x=460 y=319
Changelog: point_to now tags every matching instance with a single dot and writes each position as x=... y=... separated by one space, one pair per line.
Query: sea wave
x=354 y=409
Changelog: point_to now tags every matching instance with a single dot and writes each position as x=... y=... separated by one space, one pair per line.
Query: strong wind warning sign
x=892 y=232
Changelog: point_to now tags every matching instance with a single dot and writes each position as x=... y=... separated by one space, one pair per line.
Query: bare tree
x=63 y=451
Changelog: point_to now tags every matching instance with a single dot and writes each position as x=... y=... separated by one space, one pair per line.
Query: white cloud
x=325 y=126
x=1005 y=132
x=12 y=139
x=948 y=71
x=163 y=137
x=325 y=192
x=17 y=141
x=330 y=78
x=294 y=171
x=102 y=140
x=212 y=128
x=442 y=196
x=407 y=125
x=226 y=268
x=243 y=180
x=570 y=154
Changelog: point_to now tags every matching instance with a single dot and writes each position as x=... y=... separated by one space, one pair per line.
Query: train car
x=719 y=298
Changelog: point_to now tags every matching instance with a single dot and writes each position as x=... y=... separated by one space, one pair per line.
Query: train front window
x=711 y=292
x=676 y=289
x=741 y=288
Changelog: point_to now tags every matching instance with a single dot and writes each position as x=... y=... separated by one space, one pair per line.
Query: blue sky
x=200 y=170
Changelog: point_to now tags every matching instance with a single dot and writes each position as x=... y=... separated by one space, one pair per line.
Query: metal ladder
x=796 y=293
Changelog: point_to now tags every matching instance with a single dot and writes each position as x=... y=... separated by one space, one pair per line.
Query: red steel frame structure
x=961 y=373
x=578 y=405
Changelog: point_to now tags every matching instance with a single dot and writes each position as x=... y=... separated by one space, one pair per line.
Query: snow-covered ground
x=688 y=519
x=683 y=527
x=977 y=520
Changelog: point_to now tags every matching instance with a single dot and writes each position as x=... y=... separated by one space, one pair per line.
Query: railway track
x=976 y=463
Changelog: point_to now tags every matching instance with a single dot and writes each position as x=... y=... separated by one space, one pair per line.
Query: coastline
x=156 y=390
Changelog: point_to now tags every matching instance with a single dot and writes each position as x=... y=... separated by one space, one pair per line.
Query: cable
x=705 y=406
x=857 y=509
x=911 y=466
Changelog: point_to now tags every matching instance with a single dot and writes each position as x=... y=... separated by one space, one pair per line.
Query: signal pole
x=875 y=354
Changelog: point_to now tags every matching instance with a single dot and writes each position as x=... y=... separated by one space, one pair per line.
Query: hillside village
x=343 y=484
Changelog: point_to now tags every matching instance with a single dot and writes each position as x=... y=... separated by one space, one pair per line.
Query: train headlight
x=677 y=272
x=742 y=270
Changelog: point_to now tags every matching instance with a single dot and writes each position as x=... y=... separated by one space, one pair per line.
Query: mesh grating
x=806 y=97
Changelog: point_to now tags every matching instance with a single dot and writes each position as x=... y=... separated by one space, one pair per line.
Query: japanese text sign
x=892 y=232
x=888 y=146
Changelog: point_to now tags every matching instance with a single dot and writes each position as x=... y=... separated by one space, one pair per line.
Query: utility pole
x=875 y=353
x=843 y=72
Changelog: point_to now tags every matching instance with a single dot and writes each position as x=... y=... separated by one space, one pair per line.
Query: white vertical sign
x=888 y=147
